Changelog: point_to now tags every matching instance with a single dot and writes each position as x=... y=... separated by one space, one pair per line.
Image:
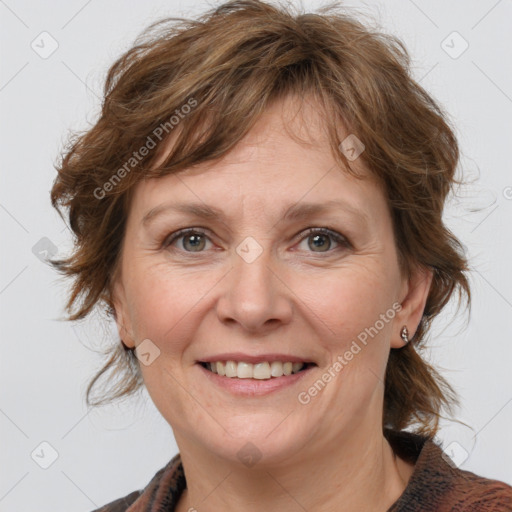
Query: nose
x=254 y=295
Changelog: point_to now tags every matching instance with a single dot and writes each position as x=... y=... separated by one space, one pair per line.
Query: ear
x=415 y=293
x=121 y=313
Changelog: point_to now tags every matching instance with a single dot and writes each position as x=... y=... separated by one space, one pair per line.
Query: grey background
x=46 y=363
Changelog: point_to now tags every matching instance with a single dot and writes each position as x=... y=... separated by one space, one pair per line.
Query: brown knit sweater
x=435 y=485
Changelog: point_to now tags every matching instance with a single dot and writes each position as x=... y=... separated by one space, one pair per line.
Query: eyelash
x=337 y=237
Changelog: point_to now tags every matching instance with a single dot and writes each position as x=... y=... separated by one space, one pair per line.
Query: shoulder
x=438 y=485
x=163 y=491
x=121 y=504
x=476 y=493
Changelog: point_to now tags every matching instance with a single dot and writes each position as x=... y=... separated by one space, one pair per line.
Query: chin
x=258 y=439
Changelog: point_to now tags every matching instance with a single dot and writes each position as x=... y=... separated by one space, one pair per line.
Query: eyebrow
x=296 y=211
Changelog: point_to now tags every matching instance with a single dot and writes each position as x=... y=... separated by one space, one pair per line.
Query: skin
x=295 y=298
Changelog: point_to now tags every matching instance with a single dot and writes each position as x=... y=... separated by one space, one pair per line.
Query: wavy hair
x=215 y=75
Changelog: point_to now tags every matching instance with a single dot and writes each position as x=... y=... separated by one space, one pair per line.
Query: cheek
x=348 y=302
x=164 y=302
x=155 y=306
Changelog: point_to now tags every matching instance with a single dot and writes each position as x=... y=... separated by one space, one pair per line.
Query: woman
x=308 y=173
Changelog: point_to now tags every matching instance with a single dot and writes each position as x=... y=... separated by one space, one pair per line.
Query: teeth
x=296 y=367
x=244 y=371
x=260 y=371
x=231 y=368
x=276 y=369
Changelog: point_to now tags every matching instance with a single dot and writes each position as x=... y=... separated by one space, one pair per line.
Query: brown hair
x=214 y=76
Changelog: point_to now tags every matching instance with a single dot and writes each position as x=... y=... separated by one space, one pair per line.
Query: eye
x=320 y=238
x=193 y=240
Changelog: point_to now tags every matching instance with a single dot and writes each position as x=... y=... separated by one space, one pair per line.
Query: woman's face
x=250 y=284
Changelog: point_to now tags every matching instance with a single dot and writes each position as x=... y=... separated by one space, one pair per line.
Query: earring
x=404 y=334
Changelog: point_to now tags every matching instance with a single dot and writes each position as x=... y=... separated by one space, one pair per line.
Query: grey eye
x=196 y=242
x=322 y=242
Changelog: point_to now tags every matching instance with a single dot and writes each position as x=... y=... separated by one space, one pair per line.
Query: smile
x=260 y=371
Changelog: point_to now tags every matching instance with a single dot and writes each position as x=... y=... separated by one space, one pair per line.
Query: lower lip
x=254 y=387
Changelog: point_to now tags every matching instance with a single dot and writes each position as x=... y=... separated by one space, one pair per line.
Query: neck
x=361 y=473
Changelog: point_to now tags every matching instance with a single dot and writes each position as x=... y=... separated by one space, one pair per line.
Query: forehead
x=286 y=157
x=302 y=120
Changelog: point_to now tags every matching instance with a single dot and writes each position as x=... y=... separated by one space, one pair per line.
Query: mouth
x=263 y=370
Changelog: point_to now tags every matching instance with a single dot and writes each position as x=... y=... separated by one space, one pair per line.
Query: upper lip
x=248 y=358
